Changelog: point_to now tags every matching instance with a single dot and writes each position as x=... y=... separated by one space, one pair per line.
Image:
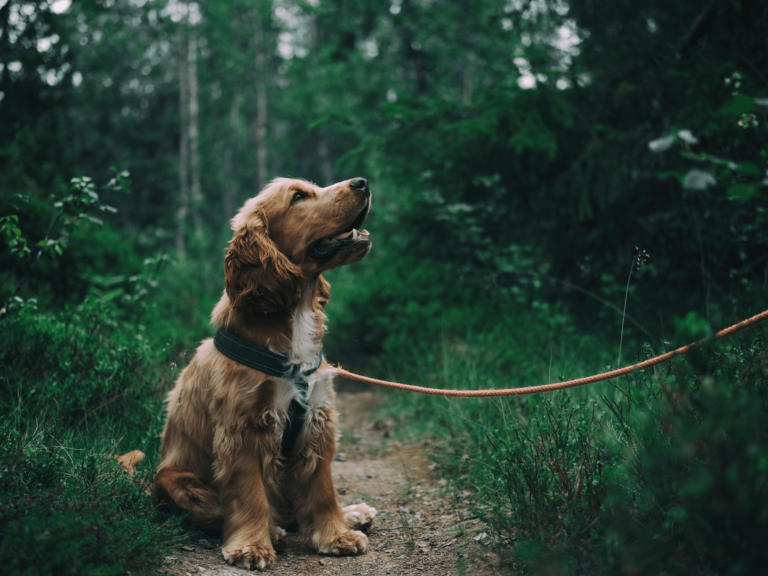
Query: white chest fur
x=305 y=341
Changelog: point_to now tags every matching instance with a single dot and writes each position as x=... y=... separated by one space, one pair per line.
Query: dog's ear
x=258 y=276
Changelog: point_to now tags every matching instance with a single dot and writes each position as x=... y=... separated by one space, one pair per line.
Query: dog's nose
x=360 y=184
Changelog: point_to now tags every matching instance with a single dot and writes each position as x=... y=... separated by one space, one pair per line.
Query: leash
x=560 y=385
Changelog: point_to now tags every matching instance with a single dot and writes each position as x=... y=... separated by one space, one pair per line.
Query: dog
x=252 y=428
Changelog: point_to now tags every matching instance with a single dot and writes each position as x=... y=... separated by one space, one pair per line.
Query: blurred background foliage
x=522 y=153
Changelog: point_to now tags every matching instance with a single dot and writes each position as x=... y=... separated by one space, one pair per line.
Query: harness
x=274 y=364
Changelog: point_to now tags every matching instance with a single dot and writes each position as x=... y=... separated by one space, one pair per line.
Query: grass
x=648 y=474
x=78 y=389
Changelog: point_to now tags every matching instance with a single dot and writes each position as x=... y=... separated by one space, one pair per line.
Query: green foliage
x=517 y=152
x=83 y=197
x=688 y=485
x=16 y=242
x=661 y=471
x=76 y=364
x=67 y=508
x=78 y=388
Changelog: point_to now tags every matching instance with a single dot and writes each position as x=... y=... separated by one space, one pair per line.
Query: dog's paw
x=277 y=534
x=359 y=516
x=345 y=543
x=250 y=556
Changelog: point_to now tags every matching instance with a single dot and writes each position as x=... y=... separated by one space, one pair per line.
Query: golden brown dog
x=221 y=456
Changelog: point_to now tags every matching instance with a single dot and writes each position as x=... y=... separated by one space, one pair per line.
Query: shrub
x=77 y=364
x=67 y=508
x=78 y=387
x=690 y=485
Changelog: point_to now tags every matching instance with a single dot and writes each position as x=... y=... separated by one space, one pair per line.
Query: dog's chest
x=307 y=326
x=317 y=392
x=296 y=425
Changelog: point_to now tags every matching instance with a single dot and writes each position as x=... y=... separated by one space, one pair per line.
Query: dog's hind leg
x=188 y=492
x=359 y=516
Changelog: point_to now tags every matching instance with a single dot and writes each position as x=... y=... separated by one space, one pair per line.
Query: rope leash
x=560 y=385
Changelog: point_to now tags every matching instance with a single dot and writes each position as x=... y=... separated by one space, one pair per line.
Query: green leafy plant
x=81 y=200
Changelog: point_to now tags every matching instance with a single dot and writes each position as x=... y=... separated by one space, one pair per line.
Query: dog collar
x=263 y=359
x=274 y=364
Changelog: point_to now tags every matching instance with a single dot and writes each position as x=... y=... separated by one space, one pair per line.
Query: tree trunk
x=181 y=215
x=467 y=96
x=261 y=101
x=230 y=180
x=196 y=195
x=326 y=166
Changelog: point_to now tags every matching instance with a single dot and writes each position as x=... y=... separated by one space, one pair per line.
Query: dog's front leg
x=249 y=531
x=318 y=511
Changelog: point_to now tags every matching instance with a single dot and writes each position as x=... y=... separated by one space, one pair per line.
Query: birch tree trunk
x=181 y=215
x=261 y=101
x=196 y=195
x=230 y=186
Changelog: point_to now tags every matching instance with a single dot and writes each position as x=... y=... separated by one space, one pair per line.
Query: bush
x=664 y=471
x=78 y=388
x=689 y=489
x=67 y=508
x=76 y=364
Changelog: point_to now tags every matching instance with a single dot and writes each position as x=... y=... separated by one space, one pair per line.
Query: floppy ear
x=258 y=275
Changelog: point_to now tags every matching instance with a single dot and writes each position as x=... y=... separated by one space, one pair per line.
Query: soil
x=421 y=527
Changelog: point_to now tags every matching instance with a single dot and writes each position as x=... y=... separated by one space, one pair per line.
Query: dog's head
x=292 y=231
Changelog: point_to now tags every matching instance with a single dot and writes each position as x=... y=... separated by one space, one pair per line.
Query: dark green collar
x=263 y=359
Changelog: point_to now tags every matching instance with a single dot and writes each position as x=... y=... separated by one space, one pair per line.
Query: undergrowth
x=78 y=388
x=663 y=471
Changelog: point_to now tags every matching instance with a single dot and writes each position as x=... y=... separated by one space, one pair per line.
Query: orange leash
x=560 y=385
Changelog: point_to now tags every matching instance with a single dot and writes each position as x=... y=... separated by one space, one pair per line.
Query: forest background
x=526 y=157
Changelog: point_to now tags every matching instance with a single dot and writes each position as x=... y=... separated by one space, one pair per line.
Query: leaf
x=96 y=220
x=667 y=174
x=742 y=191
x=739 y=105
x=698 y=180
x=687 y=136
x=761 y=101
x=749 y=168
x=661 y=144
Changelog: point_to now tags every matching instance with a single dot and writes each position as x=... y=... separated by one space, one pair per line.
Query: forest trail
x=421 y=527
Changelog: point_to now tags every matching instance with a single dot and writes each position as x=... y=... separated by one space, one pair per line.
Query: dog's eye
x=298 y=197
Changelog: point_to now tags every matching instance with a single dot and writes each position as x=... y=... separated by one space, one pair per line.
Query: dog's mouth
x=326 y=248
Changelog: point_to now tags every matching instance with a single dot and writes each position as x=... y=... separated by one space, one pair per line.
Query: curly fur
x=221 y=456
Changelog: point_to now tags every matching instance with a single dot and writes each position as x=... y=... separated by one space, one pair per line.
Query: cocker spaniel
x=252 y=427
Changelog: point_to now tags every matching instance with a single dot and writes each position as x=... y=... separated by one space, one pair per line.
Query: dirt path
x=421 y=528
